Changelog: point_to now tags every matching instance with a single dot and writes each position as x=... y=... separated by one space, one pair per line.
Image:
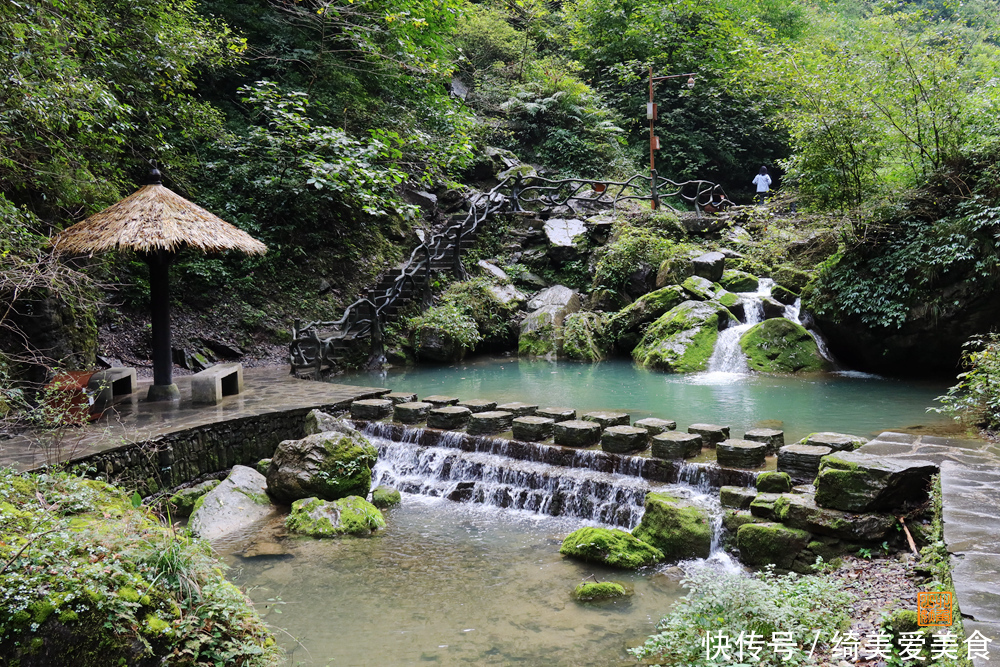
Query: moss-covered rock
x=385 y=496
x=182 y=502
x=682 y=340
x=583 y=336
x=327 y=465
x=856 y=482
x=774 y=482
x=732 y=519
x=538 y=342
x=800 y=511
x=739 y=281
x=590 y=591
x=626 y=327
x=352 y=515
x=674 y=270
x=739 y=497
x=610 y=546
x=678 y=529
x=763 y=544
x=700 y=289
x=792 y=278
x=781 y=346
x=783 y=295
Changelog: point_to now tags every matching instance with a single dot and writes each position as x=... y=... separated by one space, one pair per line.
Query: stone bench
x=210 y=385
x=109 y=385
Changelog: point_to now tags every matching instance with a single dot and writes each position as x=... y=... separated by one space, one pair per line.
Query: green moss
x=183 y=502
x=257 y=498
x=262 y=465
x=583 y=336
x=778 y=345
x=612 y=547
x=155 y=626
x=794 y=279
x=732 y=519
x=739 y=281
x=537 y=343
x=679 y=530
x=197 y=504
x=589 y=591
x=727 y=299
x=774 y=482
x=348 y=465
x=128 y=594
x=385 y=496
x=682 y=340
x=763 y=544
x=624 y=328
x=347 y=516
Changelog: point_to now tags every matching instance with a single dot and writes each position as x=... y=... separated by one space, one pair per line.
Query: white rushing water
x=727 y=358
x=794 y=313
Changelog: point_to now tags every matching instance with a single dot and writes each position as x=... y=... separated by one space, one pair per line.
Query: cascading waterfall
x=794 y=313
x=728 y=357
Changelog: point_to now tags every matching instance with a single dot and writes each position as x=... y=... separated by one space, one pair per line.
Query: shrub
x=632 y=247
x=476 y=300
x=452 y=321
x=976 y=397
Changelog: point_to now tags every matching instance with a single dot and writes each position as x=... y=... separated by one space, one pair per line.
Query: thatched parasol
x=156 y=223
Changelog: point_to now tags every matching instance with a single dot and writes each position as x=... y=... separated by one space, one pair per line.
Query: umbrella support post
x=163 y=387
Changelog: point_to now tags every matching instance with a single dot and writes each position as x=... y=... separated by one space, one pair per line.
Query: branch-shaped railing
x=365 y=317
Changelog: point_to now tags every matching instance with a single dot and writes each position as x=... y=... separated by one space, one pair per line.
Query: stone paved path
x=970 y=488
x=266 y=390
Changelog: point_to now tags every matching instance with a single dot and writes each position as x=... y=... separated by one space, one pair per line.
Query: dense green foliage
x=976 y=397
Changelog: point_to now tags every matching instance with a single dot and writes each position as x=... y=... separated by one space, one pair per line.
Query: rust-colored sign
x=934 y=609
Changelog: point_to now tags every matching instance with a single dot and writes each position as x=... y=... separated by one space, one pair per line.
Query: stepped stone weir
x=531 y=428
x=741 y=454
x=801 y=462
x=606 y=419
x=773 y=438
x=576 y=433
x=440 y=401
x=450 y=417
x=623 y=439
x=490 y=422
x=674 y=445
x=518 y=409
x=557 y=414
x=411 y=413
x=710 y=433
x=479 y=405
x=398 y=397
x=372 y=408
x=656 y=426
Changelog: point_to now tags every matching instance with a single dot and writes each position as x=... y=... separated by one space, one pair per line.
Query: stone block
x=801 y=462
x=623 y=439
x=739 y=497
x=855 y=482
x=740 y=454
x=656 y=426
x=449 y=417
x=398 y=397
x=763 y=505
x=799 y=511
x=478 y=405
x=676 y=527
x=838 y=442
x=371 y=409
x=773 y=438
x=440 y=401
x=531 y=428
x=412 y=413
x=674 y=445
x=576 y=433
x=711 y=434
x=490 y=422
x=606 y=419
x=710 y=266
x=774 y=482
x=763 y=544
x=557 y=414
x=518 y=409
x=210 y=385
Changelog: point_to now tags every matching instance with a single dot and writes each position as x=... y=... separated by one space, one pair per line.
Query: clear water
x=451 y=584
x=847 y=402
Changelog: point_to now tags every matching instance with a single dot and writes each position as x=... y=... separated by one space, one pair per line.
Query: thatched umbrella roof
x=154 y=218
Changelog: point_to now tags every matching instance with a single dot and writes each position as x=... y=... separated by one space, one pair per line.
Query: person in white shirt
x=763 y=183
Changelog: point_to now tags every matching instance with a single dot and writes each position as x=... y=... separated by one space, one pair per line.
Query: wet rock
x=412 y=413
x=371 y=409
x=774 y=482
x=440 y=401
x=700 y=289
x=732 y=519
x=583 y=337
x=656 y=426
x=385 y=496
x=508 y=295
x=625 y=328
x=677 y=528
x=837 y=442
x=711 y=434
x=781 y=346
x=557 y=414
x=784 y=295
x=239 y=502
x=773 y=438
x=738 y=497
x=490 y=422
x=352 y=515
x=855 y=482
x=674 y=445
x=763 y=544
x=640 y=281
x=624 y=439
x=682 y=340
x=518 y=409
x=606 y=419
x=478 y=405
x=222 y=349
x=567 y=238
x=739 y=281
x=610 y=546
x=182 y=502
x=327 y=465
x=801 y=462
x=799 y=511
x=710 y=266
x=463 y=492
x=398 y=397
x=576 y=433
x=673 y=271
x=740 y=454
x=262 y=466
x=772 y=308
x=449 y=418
x=763 y=505
x=590 y=591
x=492 y=270
x=540 y=329
x=531 y=428
x=430 y=343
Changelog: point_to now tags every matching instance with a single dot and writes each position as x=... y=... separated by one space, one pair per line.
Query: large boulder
x=700 y=289
x=800 y=511
x=781 y=346
x=739 y=281
x=626 y=327
x=347 y=516
x=610 y=546
x=674 y=270
x=677 y=528
x=710 y=266
x=542 y=328
x=682 y=340
x=327 y=465
x=182 y=502
x=769 y=543
x=567 y=238
x=855 y=482
x=583 y=336
x=235 y=505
